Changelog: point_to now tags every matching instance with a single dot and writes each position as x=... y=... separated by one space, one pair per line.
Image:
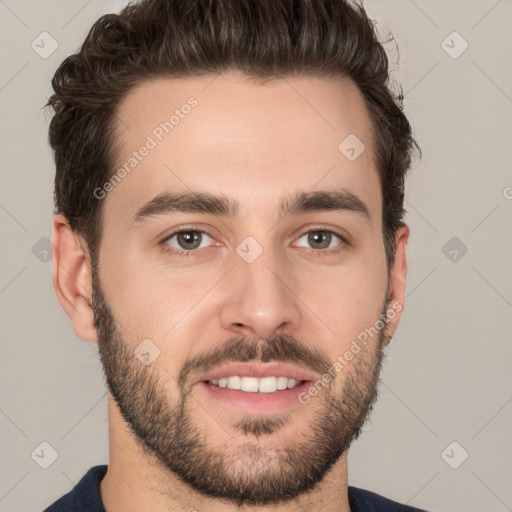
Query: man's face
x=258 y=282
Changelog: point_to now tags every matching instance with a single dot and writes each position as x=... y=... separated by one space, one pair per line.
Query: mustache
x=282 y=347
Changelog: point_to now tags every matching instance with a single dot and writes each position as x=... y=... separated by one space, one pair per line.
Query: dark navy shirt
x=85 y=497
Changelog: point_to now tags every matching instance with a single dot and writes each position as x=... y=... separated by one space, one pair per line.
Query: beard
x=250 y=474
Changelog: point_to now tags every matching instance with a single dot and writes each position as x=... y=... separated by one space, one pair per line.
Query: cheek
x=346 y=299
x=167 y=306
x=141 y=301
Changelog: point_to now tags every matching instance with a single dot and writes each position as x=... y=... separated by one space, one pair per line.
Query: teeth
x=282 y=383
x=268 y=385
x=253 y=384
x=292 y=383
x=234 y=382
x=249 y=384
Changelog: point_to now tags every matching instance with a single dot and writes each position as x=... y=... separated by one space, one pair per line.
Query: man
x=229 y=198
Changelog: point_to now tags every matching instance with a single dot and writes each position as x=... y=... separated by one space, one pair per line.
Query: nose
x=262 y=302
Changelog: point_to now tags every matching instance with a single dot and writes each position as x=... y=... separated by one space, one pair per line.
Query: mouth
x=255 y=388
x=270 y=384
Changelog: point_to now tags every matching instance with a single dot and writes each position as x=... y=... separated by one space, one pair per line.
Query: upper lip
x=258 y=370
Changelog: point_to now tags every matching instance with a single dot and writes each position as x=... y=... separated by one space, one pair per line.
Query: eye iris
x=188 y=238
x=320 y=237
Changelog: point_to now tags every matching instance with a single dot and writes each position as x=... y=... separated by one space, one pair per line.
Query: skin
x=257 y=145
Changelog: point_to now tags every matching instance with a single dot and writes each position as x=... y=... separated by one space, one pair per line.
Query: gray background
x=447 y=376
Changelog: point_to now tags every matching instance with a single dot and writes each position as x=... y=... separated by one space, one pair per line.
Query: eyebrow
x=202 y=202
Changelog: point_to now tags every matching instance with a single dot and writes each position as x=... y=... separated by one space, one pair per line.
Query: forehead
x=256 y=143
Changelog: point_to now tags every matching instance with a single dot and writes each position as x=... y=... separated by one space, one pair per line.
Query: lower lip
x=255 y=402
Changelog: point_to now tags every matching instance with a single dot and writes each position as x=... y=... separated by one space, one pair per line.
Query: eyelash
x=194 y=252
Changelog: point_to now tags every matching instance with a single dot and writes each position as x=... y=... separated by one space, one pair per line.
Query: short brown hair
x=265 y=39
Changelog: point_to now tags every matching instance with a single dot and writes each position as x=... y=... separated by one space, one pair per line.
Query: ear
x=397 y=281
x=72 y=278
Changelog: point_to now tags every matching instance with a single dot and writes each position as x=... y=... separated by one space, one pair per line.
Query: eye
x=319 y=239
x=188 y=240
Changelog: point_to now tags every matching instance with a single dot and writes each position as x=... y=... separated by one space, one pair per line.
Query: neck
x=137 y=481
